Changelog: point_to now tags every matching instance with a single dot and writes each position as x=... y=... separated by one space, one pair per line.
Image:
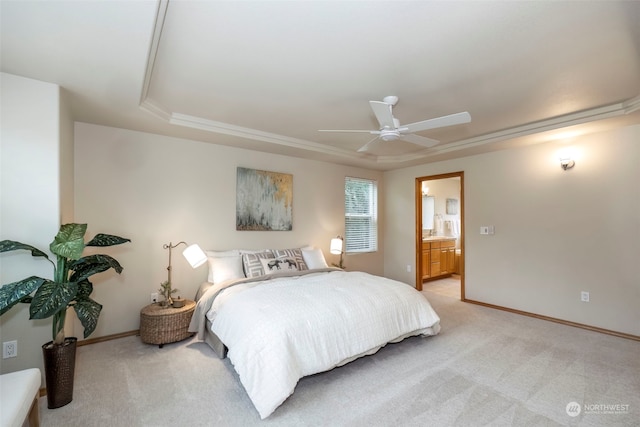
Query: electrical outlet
x=9 y=349
x=584 y=296
x=408 y=268
x=154 y=297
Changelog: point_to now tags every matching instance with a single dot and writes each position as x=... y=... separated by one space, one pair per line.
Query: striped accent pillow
x=252 y=265
x=296 y=254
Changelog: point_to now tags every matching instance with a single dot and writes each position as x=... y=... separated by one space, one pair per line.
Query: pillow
x=296 y=254
x=252 y=265
x=314 y=258
x=273 y=265
x=252 y=251
x=227 y=269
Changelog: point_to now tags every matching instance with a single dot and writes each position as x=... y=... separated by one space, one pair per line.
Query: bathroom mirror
x=428 y=211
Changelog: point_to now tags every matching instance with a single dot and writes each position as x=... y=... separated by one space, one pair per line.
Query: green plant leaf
x=13 y=293
x=88 y=266
x=88 y=312
x=52 y=297
x=69 y=242
x=11 y=245
x=85 y=288
x=107 y=240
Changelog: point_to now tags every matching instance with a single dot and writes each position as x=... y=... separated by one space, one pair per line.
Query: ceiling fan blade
x=382 y=110
x=366 y=146
x=345 y=130
x=419 y=140
x=438 y=122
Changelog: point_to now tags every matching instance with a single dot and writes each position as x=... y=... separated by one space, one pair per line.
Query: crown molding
x=632 y=105
x=161 y=14
x=554 y=123
x=614 y=110
x=175 y=118
x=233 y=130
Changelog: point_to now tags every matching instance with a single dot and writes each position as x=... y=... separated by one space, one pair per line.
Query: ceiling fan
x=390 y=129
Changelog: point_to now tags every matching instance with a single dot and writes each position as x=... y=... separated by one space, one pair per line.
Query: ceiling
x=267 y=75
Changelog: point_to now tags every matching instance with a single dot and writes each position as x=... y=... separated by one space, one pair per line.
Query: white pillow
x=224 y=265
x=314 y=258
x=226 y=268
x=219 y=254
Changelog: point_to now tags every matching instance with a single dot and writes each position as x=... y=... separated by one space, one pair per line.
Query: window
x=360 y=215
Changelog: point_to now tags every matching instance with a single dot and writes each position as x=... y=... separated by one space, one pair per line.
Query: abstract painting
x=264 y=200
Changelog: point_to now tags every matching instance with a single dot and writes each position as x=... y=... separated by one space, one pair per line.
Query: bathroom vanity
x=438 y=257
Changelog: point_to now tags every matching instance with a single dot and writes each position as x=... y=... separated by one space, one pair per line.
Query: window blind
x=361 y=215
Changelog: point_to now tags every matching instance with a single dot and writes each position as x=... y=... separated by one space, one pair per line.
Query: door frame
x=418 y=197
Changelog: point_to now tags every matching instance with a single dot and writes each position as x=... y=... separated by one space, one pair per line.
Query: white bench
x=19 y=393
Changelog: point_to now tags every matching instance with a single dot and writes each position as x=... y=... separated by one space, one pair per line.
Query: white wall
x=29 y=202
x=155 y=190
x=557 y=232
x=66 y=160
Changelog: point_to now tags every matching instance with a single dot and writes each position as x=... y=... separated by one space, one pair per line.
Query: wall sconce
x=567 y=163
x=336 y=248
x=195 y=257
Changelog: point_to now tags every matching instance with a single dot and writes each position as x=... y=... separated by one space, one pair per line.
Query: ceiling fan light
x=389 y=134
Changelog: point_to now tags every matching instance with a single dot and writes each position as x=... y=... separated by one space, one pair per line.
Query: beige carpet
x=487 y=367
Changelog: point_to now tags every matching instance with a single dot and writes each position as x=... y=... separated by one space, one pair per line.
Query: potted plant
x=70 y=287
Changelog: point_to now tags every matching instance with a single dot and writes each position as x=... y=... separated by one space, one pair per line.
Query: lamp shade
x=195 y=255
x=336 y=246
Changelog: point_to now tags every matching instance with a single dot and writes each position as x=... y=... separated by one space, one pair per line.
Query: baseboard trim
x=555 y=320
x=108 y=337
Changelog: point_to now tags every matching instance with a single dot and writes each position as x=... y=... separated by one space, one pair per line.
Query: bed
x=280 y=315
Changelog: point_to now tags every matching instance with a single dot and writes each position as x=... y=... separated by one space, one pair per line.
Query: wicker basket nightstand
x=159 y=325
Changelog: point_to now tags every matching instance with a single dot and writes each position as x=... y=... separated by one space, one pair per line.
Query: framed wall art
x=264 y=200
x=452 y=206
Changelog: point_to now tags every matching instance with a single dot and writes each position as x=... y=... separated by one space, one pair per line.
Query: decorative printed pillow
x=275 y=265
x=296 y=254
x=252 y=265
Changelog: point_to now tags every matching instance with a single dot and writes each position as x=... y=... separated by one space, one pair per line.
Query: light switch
x=487 y=229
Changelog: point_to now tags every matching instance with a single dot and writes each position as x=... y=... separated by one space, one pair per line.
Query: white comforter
x=280 y=330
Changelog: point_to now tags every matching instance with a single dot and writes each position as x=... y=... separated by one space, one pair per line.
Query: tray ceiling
x=268 y=75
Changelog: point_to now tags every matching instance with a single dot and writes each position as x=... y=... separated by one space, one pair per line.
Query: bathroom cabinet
x=438 y=257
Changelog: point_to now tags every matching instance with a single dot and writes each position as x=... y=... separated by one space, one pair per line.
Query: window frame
x=365 y=239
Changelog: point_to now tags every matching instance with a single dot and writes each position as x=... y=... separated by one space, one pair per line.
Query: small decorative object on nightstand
x=179 y=302
x=160 y=325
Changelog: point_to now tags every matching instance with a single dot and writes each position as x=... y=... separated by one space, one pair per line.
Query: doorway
x=440 y=228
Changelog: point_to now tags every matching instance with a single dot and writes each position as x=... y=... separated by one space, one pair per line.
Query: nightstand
x=160 y=325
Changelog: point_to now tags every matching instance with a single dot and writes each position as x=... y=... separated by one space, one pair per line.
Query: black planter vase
x=59 y=369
